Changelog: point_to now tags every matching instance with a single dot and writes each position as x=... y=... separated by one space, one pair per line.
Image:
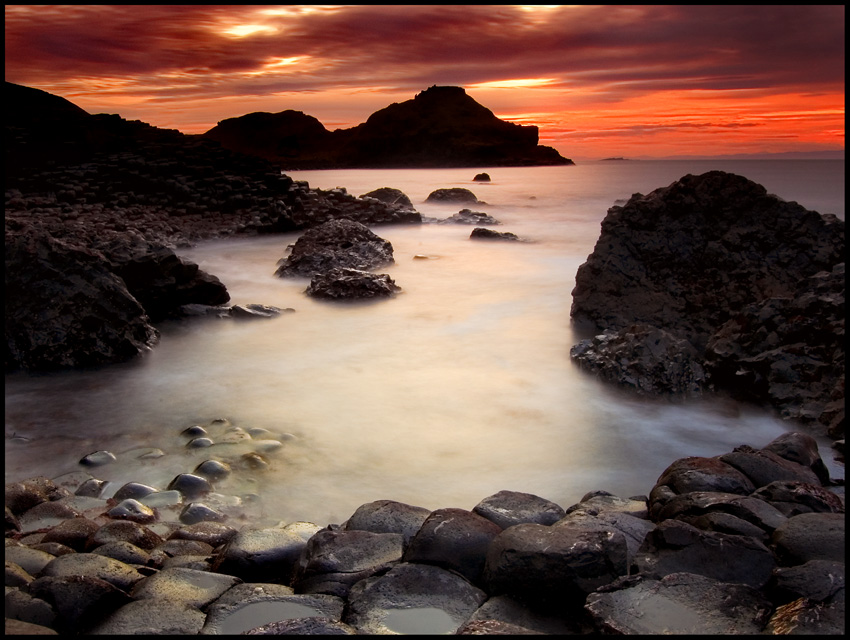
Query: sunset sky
x=598 y=81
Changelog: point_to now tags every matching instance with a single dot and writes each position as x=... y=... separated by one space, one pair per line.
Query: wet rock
x=30 y=560
x=454 y=539
x=123 y=552
x=800 y=448
x=335 y=560
x=22 y=496
x=212 y=533
x=697 y=503
x=703 y=474
x=261 y=555
x=809 y=536
x=480 y=233
x=127 y=531
x=532 y=561
x=255 y=311
x=351 y=284
x=726 y=523
x=599 y=502
x=46 y=514
x=213 y=470
x=388 y=516
x=467 y=216
x=452 y=195
x=78 y=600
x=65 y=308
x=186 y=586
x=677 y=547
x=195 y=512
x=715 y=254
x=134 y=510
x=16 y=575
x=98 y=458
x=793 y=498
x=195 y=431
x=481 y=177
x=200 y=443
x=258 y=609
x=22 y=606
x=191 y=486
x=390 y=196
x=503 y=615
x=134 y=490
x=680 y=603
x=817 y=580
x=507 y=508
x=22 y=628
x=91 y=488
x=412 y=598
x=151 y=617
x=336 y=244
x=764 y=466
x=644 y=359
x=13 y=525
x=117 y=573
x=633 y=529
x=73 y=533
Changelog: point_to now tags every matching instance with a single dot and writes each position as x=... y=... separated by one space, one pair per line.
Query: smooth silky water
x=457 y=388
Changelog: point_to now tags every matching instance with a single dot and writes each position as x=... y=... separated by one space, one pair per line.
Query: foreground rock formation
x=751 y=284
x=440 y=127
x=748 y=542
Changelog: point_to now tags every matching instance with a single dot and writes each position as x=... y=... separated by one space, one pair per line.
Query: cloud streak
x=190 y=66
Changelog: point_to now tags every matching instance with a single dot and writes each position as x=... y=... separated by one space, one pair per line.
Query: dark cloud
x=651 y=47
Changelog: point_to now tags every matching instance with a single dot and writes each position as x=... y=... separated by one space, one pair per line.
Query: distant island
x=617 y=159
x=440 y=127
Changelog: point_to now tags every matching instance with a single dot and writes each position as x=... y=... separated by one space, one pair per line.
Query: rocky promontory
x=749 y=287
x=439 y=127
x=746 y=542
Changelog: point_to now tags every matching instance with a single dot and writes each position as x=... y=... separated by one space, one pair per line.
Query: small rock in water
x=190 y=485
x=98 y=458
x=195 y=512
x=213 y=469
x=481 y=177
x=91 y=488
x=133 y=490
x=254 y=461
x=132 y=510
x=267 y=446
x=194 y=431
x=199 y=443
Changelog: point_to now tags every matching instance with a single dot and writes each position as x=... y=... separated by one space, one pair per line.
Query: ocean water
x=459 y=387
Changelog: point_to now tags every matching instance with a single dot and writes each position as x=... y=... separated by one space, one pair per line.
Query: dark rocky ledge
x=747 y=542
x=750 y=288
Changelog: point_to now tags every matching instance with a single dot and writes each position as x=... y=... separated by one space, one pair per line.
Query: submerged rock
x=454 y=194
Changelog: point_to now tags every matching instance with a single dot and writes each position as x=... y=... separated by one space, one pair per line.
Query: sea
x=459 y=387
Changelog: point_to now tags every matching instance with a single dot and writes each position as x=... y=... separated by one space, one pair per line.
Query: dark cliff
x=440 y=127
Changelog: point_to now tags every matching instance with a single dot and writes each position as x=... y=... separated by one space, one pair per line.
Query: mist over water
x=459 y=387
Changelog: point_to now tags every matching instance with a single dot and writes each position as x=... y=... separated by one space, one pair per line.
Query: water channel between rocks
x=458 y=388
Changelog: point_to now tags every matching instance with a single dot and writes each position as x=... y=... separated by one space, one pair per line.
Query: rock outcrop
x=440 y=127
x=752 y=283
x=336 y=244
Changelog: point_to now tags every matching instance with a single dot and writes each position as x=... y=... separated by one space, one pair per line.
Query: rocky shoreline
x=751 y=541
